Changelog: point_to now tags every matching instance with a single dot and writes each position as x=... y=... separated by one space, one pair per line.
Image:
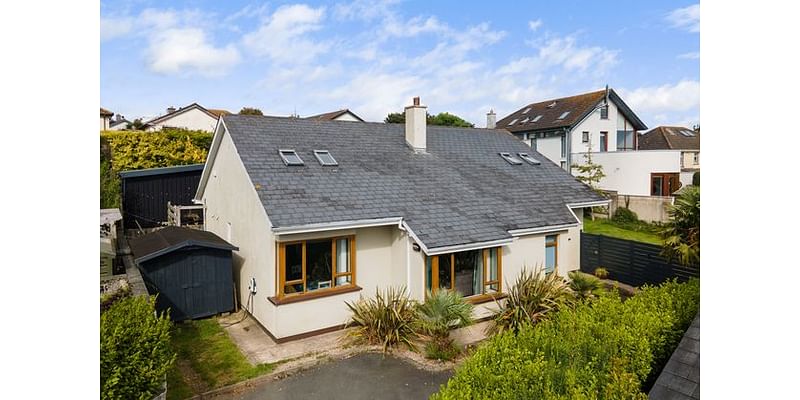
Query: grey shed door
x=193 y=283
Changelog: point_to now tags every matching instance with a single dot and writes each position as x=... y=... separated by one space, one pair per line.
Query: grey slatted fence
x=630 y=262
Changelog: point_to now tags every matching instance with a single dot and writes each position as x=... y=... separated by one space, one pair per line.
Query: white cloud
x=687 y=18
x=186 y=50
x=681 y=96
x=283 y=36
x=692 y=55
x=112 y=28
x=534 y=25
x=413 y=27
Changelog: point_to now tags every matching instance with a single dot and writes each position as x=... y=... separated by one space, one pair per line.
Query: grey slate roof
x=461 y=191
x=680 y=378
x=171 y=238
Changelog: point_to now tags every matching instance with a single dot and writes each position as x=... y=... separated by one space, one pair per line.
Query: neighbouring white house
x=105 y=118
x=324 y=212
x=118 y=123
x=600 y=125
x=339 y=115
x=676 y=138
x=193 y=117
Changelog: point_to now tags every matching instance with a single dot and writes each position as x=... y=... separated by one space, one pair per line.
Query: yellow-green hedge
x=165 y=148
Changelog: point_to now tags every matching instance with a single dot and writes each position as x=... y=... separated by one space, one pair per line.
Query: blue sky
x=373 y=57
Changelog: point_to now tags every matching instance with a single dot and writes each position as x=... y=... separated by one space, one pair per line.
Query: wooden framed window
x=316 y=266
x=550 y=253
x=476 y=274
x=664 y=184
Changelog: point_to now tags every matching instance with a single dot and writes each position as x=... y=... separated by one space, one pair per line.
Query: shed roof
x=578 y=107
x=134 y=173
x=669 y=138
x=680 y=378
x=459 y=192
x=171 y=238
x=105 y=113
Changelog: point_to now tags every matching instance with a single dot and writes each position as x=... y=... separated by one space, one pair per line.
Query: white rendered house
x=192 y=117
x=326 y=211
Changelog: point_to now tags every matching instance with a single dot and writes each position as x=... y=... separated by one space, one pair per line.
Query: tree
x=250 y=111
x=441 y=119
x=682 y=232
x=136 y=125
x=589 y=172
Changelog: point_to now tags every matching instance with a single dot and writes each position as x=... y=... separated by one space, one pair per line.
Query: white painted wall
x=346 y=117
x=628 y=172
x=104 y=121
x=551 y=148
x=194 y=119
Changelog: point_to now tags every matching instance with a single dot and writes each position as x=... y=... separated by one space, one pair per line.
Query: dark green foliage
x=387 y=319
x=604 y=349
x=135 y=351
x=531 y=299
x=442 y=311
x=625 y=216
x=696 y=178
x=250 y=111
x=110 y=195
x=442 y=119
x=584 y=286
x=682 y=232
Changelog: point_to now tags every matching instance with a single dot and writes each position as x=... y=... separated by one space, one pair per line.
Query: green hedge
x=605 y=349
x=135 y=350
x=165 y=148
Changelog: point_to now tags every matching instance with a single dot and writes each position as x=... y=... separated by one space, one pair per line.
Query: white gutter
x=542 y=229
x=597 y=203
x=330 y=226
x=469 y=246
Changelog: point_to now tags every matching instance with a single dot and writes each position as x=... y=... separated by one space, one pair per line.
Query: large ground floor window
x=471 y=273
x=315 y=265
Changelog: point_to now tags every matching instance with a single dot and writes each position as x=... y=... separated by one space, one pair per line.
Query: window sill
x=278 y=301
x=485 y=298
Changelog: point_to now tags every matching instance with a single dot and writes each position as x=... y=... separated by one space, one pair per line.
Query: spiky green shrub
x=386 y=319
x=532 y=297
x=601 y=272
x=604 y=349
x=135 y=350
x=584 y=286
x=442 y=311
x=682 y=232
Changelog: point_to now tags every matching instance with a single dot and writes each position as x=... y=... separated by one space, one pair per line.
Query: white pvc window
x=325 y=158
x=564 y=115
x=290 y=157
x=513 y=122
x=511 y=159
x=538 y=117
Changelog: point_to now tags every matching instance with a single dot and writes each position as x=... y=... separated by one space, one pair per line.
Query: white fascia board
x=331 y=226
x=219 y=132
x=598 y=203
x=543 y=229
x=468 y=246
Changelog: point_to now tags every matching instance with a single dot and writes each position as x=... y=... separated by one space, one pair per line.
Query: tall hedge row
x=165 y=148
x=605 y=349
x=135 y=351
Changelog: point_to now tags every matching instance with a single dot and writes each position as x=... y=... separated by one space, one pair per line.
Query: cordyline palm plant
x=584 y=286
x=532 y=297
x=442 y=311
x=682 y=233
x=387 y=319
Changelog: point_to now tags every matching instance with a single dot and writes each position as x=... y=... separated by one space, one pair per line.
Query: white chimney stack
x=491 y=119
x=416 y=129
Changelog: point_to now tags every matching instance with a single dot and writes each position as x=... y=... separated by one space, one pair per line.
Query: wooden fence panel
x=630 y=262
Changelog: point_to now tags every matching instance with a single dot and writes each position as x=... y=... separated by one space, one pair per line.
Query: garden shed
x=191 y=270
x=146 y=193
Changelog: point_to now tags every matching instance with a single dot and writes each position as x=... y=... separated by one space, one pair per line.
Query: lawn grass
x=207 y=359
x=609 y=228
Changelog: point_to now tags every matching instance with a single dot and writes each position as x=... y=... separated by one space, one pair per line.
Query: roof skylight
x=538 y=117
x=524 y=120
x=551 y=105
x=529 y=159
x=513 y=122
x=564 y=115
x=687 y=133
x=325 y=158
x=290 y=157
x=511 y=159
x=526 y=110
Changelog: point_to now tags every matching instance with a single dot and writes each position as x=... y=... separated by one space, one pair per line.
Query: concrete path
x=364 y=376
